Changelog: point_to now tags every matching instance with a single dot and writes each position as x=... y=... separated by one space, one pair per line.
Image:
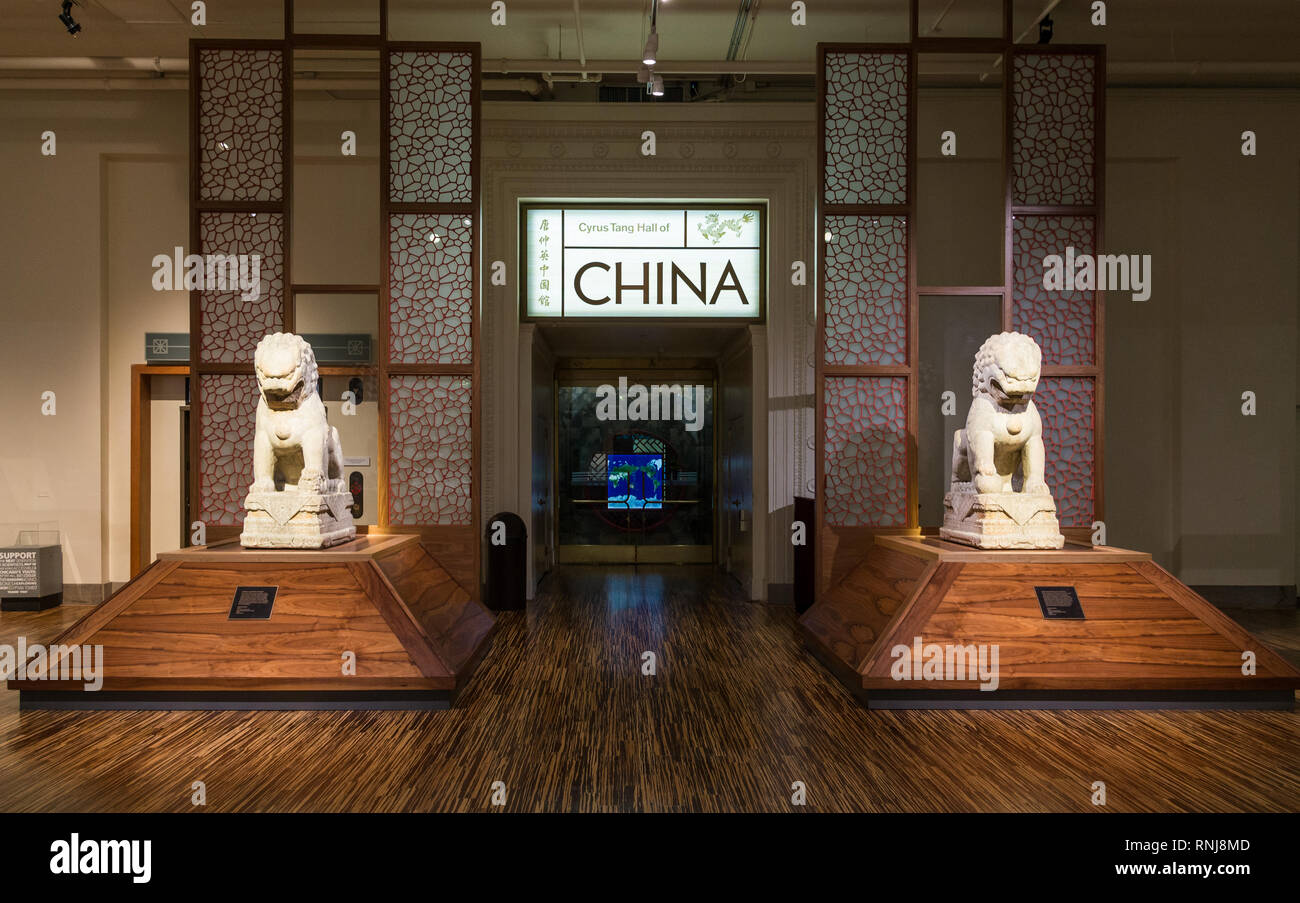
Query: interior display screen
x=652 y=261
x=635 y=481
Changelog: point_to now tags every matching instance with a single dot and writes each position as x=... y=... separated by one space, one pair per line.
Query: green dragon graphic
x=715 y=228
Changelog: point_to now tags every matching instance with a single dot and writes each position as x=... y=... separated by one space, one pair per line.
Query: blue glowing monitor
x=635 y=481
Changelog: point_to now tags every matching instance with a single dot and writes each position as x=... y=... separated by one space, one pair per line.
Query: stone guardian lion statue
x=999 y=498
x=298 y=498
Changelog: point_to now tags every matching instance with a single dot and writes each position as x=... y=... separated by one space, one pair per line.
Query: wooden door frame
x=141 y=456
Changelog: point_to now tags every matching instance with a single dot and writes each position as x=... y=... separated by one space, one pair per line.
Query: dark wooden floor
x=561 y=712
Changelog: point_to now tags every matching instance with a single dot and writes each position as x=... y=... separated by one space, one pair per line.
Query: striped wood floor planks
x=561 y=712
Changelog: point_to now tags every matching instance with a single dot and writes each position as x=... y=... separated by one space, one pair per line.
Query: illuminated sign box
x=643 y=261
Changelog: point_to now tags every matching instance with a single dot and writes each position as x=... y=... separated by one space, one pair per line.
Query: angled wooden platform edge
x=1144 y=630
x=384 y=598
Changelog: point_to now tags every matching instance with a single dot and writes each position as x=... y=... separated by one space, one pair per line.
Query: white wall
x=1209 y=492
x=145 y=213
x=57 y=332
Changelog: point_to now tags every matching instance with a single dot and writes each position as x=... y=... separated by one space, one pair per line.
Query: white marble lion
x=294 y=445
x=1003 y=431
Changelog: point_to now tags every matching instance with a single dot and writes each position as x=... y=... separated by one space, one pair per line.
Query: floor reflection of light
x=628 y=589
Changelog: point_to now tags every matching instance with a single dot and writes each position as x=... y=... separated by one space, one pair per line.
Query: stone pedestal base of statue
x=289 y=519
x=1000 y=520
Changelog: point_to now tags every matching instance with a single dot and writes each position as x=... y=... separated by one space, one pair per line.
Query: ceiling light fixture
x=66 y=18
x=657 y=86
x=1045 y=30
x=650 y=55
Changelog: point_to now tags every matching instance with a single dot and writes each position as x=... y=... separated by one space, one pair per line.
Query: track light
x=657 y=86
x=651 y=54
x=65 y=17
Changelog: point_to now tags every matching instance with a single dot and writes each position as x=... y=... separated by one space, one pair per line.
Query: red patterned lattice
x=232 y=320
x=241 y=125
x=431 y=126
x=866 y=451
x=228 y=406
x=1061 y=322
x=866 y=128
x=1055 y=133
x=430 y=449
x=431 y=288
x=866 y=290
x=1066 y=405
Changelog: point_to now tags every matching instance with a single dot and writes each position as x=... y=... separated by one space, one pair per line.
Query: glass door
x=635 y=466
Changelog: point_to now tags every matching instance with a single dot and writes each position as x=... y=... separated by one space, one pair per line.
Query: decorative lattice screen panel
x=238 y=211
x=865 y=375
x=1056 y=183
x=429 y=352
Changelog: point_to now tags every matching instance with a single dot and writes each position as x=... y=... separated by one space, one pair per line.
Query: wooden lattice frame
x=839 y=547
x=456 y=544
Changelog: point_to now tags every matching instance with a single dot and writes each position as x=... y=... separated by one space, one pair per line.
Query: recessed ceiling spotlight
x=66 y=18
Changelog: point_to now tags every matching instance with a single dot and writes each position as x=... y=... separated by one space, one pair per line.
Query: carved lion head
x=1007 y=368
x=286 y=370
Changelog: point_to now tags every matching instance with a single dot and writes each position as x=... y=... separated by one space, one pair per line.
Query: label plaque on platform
x=1060 y=602
x=252 y=603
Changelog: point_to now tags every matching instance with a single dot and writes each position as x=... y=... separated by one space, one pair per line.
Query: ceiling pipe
x=675 y=67
x=94 y=74
x=934 y=26
x=96 y=63
x=531 y=86
x=577 y=21
x=738 y=29
x=1047 y=11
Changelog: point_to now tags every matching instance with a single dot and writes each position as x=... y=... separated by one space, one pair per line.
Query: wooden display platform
x=1146 y=641
x=169 y=641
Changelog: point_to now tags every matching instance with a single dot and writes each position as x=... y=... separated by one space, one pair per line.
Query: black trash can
x=507 y=562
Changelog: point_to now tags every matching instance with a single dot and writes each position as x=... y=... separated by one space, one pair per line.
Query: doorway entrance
x=636 y=462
